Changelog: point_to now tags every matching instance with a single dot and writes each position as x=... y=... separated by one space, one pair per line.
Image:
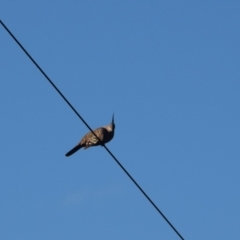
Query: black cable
x=70 y=105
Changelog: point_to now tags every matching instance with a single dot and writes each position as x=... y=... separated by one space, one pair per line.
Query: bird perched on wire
x=104 y=135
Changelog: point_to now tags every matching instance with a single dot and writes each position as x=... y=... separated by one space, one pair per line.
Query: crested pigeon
x=104 y=134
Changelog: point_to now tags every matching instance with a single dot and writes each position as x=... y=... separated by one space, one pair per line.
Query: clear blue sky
x=169 y=70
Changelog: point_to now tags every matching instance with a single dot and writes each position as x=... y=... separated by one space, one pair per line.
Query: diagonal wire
x=70 y=105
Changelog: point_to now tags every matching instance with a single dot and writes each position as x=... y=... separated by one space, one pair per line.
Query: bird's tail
x=72 y=151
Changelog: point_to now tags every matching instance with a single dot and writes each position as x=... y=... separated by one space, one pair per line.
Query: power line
x=70 y=105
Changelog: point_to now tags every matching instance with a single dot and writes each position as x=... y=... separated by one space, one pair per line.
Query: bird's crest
x=113 y=124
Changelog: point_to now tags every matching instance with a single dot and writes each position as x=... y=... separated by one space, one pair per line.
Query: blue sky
x=169 y=70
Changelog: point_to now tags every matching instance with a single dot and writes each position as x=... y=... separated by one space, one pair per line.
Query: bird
x=104 y=134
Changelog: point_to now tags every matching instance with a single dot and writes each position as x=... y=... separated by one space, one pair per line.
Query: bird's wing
x=91 y=140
